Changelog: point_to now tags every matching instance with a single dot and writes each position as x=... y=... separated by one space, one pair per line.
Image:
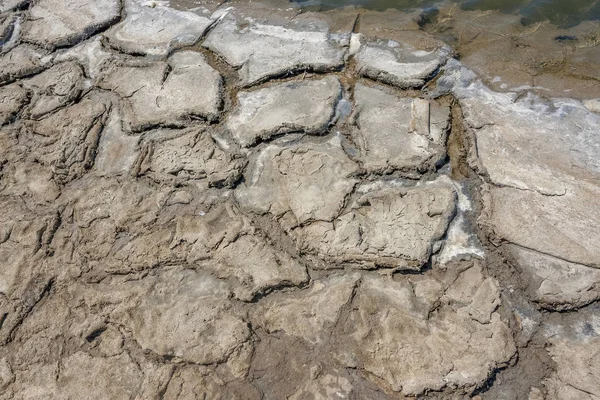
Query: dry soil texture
x=240 y=202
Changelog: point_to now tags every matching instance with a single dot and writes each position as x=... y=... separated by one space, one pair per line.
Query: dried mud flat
x=243 y=202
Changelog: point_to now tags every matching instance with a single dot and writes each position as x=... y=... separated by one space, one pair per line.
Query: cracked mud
x=250 y=203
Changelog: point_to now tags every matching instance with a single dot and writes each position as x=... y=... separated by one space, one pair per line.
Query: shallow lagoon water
x=563 y=13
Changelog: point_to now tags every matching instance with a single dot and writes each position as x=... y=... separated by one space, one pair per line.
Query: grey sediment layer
x=243 y=202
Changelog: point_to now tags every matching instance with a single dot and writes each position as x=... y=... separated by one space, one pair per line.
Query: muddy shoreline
x=509 y=56
x=243 y=201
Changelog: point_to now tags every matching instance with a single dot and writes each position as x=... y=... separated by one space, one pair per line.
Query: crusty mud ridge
x=241 y=202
